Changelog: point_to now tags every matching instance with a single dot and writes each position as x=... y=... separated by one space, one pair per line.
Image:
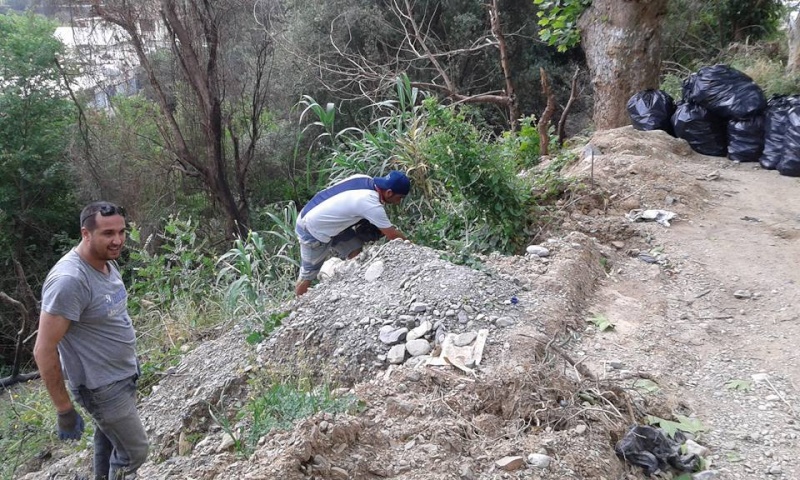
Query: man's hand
x=70 y=425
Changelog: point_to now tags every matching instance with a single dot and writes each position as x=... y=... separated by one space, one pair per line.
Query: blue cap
x=395 y=181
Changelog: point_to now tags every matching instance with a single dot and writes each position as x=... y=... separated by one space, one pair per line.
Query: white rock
x=420 y=331
x=418 y=347
x=537 y=251
x=374 y=271
x=329 y=268
x=539 y=460
x=694 y=448
x=227 y=443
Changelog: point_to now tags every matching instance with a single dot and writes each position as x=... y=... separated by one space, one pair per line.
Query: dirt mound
x=553 y=393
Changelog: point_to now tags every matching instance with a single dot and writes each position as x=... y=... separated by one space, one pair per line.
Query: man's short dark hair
x=106 y=209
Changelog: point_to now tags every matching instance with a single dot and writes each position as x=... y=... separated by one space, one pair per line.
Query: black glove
x=70 y=425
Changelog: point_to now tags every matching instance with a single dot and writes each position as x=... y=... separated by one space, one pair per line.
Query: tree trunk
x=793 y=63
x=622 y=42
x=195 y=41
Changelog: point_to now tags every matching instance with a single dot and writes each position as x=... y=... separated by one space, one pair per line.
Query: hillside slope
x=705 y=305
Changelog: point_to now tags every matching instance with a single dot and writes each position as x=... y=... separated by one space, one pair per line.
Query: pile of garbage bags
x=723 y=112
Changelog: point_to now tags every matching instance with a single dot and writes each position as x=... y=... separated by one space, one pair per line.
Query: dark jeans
x=120 y=442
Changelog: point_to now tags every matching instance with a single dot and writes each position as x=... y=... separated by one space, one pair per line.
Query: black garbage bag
x=652 y=110
x=789 y=164
x=746 y=139
x=775 y=128
x=650 y=448
x=705 y=132
x=726 y=92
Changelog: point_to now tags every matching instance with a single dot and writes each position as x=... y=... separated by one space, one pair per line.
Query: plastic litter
x=746 y=139
x=789 y=164
x=775 y=119
x=650 y=448
x=705 y=132
x=652 y=110
x=659 y=216
x=725 y=91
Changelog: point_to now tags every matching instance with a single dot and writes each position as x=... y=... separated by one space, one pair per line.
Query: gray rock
x=464 y=339
x=419 y=307
x=463 y=317
x=504 y=322
x=465 y=472
x=396 y=354
x=742 y=294
x=390 y=335
x=418 y=347
x=538 y=460
x=706 y=475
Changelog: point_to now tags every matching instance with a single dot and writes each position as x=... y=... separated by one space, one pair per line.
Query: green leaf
x=601 y=322
x=739 y=385
x=684 y=424
x=646 y=385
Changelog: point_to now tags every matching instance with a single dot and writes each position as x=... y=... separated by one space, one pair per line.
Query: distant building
x=108 y=64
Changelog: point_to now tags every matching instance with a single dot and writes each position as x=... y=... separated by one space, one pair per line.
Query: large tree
x=622 y=41
x=212 y=101
x=37 y=206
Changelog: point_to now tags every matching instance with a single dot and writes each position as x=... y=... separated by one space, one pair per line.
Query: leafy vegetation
x=558 y=20
x=278 y=405
x=476 y=187
x=681 y=422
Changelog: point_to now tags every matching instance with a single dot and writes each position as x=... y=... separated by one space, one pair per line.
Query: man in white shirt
x=325 y=223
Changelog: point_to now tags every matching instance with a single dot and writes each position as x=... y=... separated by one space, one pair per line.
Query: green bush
x=473 y=170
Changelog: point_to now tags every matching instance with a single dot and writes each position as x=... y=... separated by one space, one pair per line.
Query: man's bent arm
x=391 y=233
x=51 y=330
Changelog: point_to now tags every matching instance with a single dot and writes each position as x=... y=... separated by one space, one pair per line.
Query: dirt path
x=717 y=319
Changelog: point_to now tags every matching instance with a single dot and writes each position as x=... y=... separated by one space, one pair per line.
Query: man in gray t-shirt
x=86 y=338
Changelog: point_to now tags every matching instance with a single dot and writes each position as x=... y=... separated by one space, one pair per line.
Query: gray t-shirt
x=99 y=347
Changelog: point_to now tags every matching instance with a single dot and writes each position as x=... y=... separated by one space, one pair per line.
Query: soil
x=705 y=325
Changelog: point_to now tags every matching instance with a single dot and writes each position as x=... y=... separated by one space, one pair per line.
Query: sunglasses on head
x=105 y=211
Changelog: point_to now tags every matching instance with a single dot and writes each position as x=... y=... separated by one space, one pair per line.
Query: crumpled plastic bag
x=660 y=216
x=650 y=448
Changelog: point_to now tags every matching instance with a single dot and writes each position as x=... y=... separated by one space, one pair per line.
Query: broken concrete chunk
x=397 y=354
x=464 y=339
x=510 y=464
x=418 y=307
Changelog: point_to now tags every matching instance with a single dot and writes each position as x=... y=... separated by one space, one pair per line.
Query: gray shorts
x=313 y=253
